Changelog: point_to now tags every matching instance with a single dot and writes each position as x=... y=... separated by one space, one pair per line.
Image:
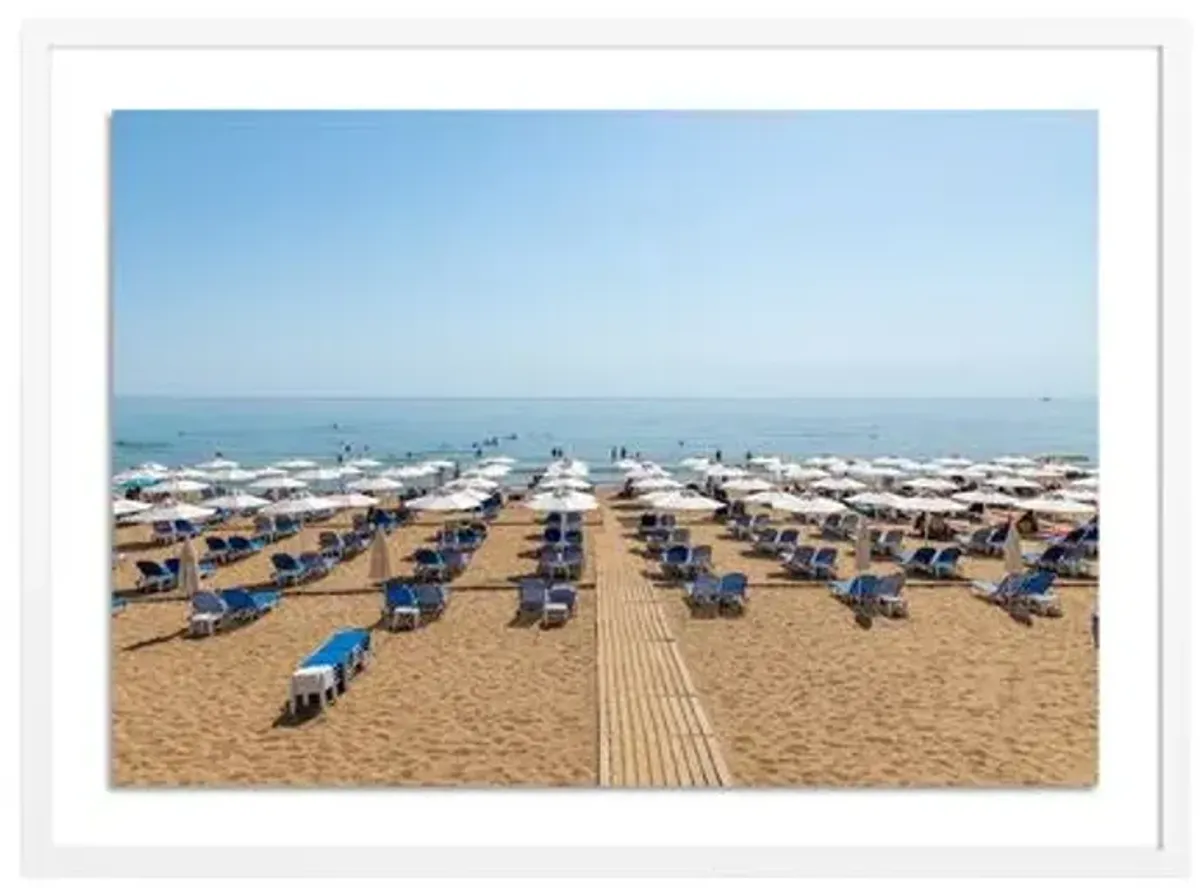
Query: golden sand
x=792 y=692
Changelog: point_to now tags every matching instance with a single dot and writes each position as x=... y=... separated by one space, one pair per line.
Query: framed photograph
x=604 y=448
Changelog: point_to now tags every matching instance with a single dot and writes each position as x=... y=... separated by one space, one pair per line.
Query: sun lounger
x=327 y=671
x=996 y=541
x=944 y=565
x=977 y=542
x=316 y=565
x=699 y=561
x=1001 y=592
x=731 y=591
x=702 y=593
x=918 y=561
x=831 y=527
x=288 y=569
x=765 y=541
x=431 y=599
x=286 y=527
x=218 y=549
x=118 y=605
x=552 y=535
x=401 y=608
x=889 y=595
x=185 y=530
x=354 y=543
x=890 y=544
x=264 y=526
x=855 y=588
x=163 y=532
x=559 y=605
x=673 y=561
x=207 y=614
x=531 y=596
x=245 y=605
x=155 y=577
x=799 y=561
x=824 y=564
x=1036 y=593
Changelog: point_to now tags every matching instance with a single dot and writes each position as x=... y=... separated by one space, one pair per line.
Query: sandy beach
x=793 y=692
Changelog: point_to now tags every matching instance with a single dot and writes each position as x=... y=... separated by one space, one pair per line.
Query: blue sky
x=565 y=254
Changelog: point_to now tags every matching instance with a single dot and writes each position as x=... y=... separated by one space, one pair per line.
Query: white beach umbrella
x=352 y=500
x=1048 y=506
x=837 y=468
x=497 y=470
x=816 y=505
x=1015 y=461
x=436 y=464
x=626 y=464
x=232 y=476
x=765 y=461
x=236 y=502
x=931 y=505
x=375 y=485
x=822 y=461
x=985 y=498
x=894 y=462
x=646 y=470
x=421 y=471
x=301 y=505
x=562 y=500
x=123 y=507
x=1013 y=562
x=291 y=464
x=189 y=569
x=862 y=548
x=1083 y=496
x=869 y=472
x=956 y=462
x=696 y=463
x=498 y=460
x=1012 y=482
x=747 y=484
x=349 y=471
x=648 y=484
x=321 y=475
x=283 y=483
x=567 y=482
x=217 y=464
x=174 y=512
x=176 y=486
x=484 y=486
x=380 y=567
x=716 y=470
x=1092 y=482
x=141 y=475
x=270 y=472
x=934 y=485
x=1041 y=473
x=365 y=463
x=874 y=499
x=188 y=474
x=838 y=484
x=151 y=467
x=776 y=499
x=803 y=474
x=682 y=501
x=452 y=501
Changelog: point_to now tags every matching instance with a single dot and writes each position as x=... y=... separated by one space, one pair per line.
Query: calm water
x=258 y=431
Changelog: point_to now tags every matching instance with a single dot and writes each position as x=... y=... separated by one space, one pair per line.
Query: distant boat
x=1044 y=399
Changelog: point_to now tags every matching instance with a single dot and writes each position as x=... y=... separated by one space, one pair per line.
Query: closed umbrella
x=174 y=512
x=189 y=569
x=380 y=569
x=237 y=502
x=562 y=500
x=1013 y=562
x=862 y=548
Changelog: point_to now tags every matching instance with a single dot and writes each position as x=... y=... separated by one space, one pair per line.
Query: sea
x=258 y=431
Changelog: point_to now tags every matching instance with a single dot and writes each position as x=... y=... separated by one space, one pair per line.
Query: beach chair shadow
x=296 y=719
x=523 y=620
x=156 y=640
x=138 y=547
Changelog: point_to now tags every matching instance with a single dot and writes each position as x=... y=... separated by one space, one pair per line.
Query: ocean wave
x=141 y=446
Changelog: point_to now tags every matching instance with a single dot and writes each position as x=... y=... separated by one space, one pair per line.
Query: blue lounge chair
x=854 y=589
x=890 y=544
x=286 y=526
x=118 y=605
x=977 y=543
x=327 y=671
x=430 y=565
x=315 y=565
x=1036 y=594
x=996 y=540
x=456 y=560
x=219 y=549
x=555 y=519
x=824 y=564
x=250 y=605
x=431 y=599
x=673 y=561
x=552 y=535
x=1001 y=592
x=401 y=607
x=702 y=593
x=945 y=563
x=889 y=595
x=185 y=530
x=531 y=596
x=574 y=558
x=731 y=591
x=831 y=527
x=155 y=577
x=1091 y=541
x=264 y=526
x=204 y=567
x=919 y=560
x=243 y=547
x=798 y=562
x=288 y=569
x=207 y=614
x=163 y=532
x=330 y=545
x=573 y=537
x=765 y=540
x=353 y=543
x=699 y=561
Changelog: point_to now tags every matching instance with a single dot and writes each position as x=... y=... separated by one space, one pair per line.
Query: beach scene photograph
x=603 y=449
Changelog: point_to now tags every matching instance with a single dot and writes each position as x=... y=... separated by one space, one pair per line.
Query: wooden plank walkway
x=653 y=730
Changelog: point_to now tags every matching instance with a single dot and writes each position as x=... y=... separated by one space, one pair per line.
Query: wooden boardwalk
x=653 y=730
